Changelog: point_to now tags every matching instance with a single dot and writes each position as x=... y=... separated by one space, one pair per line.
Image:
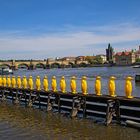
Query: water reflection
x=18 y=122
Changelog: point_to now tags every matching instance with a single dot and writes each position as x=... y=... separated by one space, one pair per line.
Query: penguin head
x=30 y=76
x=38 y=77
x=73 y=77
x=53 y=77
x=45 y=77
x=98 y=77
x=84 y=77
x=129 y=78
x=112 y=78
x=63 y=77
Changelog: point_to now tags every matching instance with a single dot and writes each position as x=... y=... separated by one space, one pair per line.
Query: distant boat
x=136 y=66
x=5 y=71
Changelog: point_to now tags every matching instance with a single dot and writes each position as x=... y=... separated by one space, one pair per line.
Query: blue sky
x=38 y=29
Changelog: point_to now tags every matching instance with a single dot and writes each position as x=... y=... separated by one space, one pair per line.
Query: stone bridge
x=48 y=63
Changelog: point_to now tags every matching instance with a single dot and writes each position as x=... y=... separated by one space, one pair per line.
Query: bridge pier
x=31 y=67
x=13 y=67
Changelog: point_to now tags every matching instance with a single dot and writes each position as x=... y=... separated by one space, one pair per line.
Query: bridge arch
x=5 y=66
x=71 y=65
x=63 y=65
x=82 y=64
x=23 y=66
x=55 y=65
x=40 y=65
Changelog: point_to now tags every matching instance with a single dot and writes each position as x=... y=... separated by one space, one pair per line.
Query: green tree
x=94 y=59
x=98 y=60
x=137 y=59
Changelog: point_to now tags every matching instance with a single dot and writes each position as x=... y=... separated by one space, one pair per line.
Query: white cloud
x=74 y=41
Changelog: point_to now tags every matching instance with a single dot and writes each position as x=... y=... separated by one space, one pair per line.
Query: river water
x=20 y=122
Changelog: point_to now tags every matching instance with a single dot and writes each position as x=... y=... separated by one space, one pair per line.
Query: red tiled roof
x=118 y=53
x=123 y=53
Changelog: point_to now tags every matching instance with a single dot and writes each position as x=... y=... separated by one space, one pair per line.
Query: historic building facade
x=124 y=58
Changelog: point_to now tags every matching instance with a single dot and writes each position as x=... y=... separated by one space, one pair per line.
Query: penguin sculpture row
x=28 y=83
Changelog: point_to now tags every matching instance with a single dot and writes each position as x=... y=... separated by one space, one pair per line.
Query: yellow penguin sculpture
x=18 y=82
x=0 y=81
x=128 y=87
x=54 y=84
x=4 y=81
x=73 y=85
x=30 y=83
x=8 y=81
x=45 y=83
x=24 y=82
x=63 y=84
x=84 y=85
x=13 y=82
x=98 y=86
x=112 y=86
x=38 y=83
